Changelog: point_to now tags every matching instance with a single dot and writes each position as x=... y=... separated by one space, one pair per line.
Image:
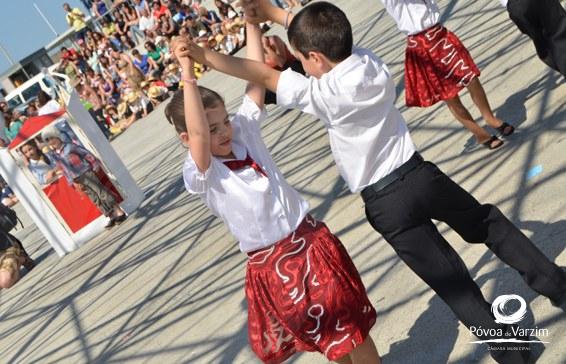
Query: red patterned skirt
x=305 y=294
x=437 y=67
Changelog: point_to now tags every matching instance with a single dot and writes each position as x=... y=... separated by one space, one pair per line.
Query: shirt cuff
x=200 y=181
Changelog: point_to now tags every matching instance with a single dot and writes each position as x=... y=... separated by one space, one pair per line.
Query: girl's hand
x=181 y=51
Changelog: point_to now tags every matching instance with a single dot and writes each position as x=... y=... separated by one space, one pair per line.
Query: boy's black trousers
x=544 y=21
x=402 y=213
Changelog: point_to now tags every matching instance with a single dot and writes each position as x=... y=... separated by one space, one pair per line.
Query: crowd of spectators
x=120 y=63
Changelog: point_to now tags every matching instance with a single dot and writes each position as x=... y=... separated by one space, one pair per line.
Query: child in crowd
x=40 y=165
x=303 y=291
x=352 y=93
x=544 y=21
x=438 y=66
x=12 y=126
x=78 y=166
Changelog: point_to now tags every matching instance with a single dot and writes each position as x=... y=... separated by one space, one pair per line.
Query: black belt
x=397 y=174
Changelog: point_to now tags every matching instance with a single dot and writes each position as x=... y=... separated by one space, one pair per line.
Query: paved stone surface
x=167 y=285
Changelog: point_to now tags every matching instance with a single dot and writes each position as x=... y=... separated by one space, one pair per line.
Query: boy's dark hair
x=322 y=27
x=175 y=110
x=43 y=97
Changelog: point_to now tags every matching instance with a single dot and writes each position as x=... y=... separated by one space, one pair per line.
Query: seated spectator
x=8 y=198
x=132 y=18
x=195 y=27
x=31 y=110
x=225 y=10
x=134 y=108
x=12 y=257
x=167 y=26
x=72 y=56
x=147 y=22
x=140 y=5
x=172 y=77
x=143 y=62
x=107 y=89
x=108 y=28
x=11 y=126
x=40 y=165
x=157 y=94
x=139 y=105
x=99 y=8
x=209 y=18
x=49 y=106
x=181 y=13
x=158 y=9
x=155 y=53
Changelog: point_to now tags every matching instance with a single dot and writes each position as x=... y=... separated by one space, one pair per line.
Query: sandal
x=506 y=129
x=493 y=143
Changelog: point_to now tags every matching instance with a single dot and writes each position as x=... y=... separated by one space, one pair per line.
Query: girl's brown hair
x=175 y=110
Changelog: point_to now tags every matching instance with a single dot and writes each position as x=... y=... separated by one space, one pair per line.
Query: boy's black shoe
x=110 y=224
x=120 y=219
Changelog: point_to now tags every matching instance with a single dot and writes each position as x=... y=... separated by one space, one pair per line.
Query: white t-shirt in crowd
x=49 y=108
x=146 y=23
x=413 y=16
x=258 y=210
x=355 y=101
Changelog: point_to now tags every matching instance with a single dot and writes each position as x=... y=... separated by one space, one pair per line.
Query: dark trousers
x=544 y=21
x=97 y=192
x=402 y=213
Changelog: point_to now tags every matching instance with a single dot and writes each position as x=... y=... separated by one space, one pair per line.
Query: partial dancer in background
x=544 y=21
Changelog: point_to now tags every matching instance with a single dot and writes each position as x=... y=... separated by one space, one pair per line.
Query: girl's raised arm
x=254 y=52
x=198 y=132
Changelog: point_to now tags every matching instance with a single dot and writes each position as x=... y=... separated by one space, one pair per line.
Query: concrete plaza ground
x=167 y=285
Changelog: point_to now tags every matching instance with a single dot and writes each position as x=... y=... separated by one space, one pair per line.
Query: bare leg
x=344 y=360
x=463 y=115
x=480 y=99
x=365 y=353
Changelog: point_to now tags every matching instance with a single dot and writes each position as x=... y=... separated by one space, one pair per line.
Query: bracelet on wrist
x=191 y=80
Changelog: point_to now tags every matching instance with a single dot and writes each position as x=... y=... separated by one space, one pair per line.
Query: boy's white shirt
x=504 y=3
x=413 y=16
x=355 y=100
x=258 y=211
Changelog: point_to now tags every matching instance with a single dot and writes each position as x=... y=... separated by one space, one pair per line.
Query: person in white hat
x=78 y=166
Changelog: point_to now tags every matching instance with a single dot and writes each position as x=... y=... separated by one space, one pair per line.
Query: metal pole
x=45 y=19
x=7 y=55
x=12 y=62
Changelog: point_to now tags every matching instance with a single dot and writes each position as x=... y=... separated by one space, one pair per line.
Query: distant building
x=32 y=64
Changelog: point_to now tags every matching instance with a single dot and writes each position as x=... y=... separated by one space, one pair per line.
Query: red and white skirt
x=437 y=67
x=305 y=294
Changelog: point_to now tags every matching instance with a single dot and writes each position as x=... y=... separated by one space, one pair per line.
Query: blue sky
x=23 y=31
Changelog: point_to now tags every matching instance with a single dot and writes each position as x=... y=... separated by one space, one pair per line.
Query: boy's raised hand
x=184 y=50
x=256 y=11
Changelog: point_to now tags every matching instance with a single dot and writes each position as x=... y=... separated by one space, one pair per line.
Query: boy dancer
x=353 y=94
x=544 y=21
